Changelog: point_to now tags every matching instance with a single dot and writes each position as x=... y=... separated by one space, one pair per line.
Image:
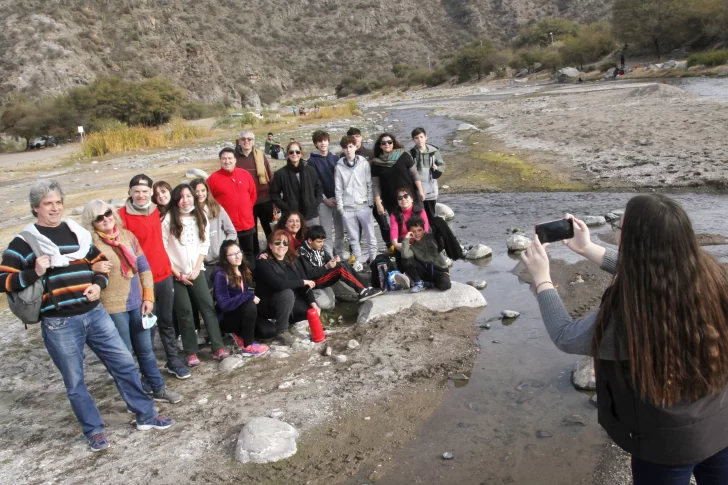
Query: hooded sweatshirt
x=146 y=226
x=353 y=185
x=325 y=168
x=425 y=251
x=424 y=162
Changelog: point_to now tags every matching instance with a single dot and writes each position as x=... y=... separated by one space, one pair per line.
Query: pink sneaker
x=255 y=349
x=192 y=360
x=220 y=354
x=238 y=341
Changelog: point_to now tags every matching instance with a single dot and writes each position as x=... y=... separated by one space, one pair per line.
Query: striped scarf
x=125 y=253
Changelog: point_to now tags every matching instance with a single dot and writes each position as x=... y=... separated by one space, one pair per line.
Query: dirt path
x=19 y=160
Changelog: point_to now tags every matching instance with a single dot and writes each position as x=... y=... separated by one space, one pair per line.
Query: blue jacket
x=325 y=168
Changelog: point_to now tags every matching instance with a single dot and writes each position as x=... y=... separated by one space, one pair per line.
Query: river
x=519 y=419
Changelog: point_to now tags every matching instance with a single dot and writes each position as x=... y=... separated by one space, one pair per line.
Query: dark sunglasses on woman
x=403 y=196
x=291 y=152
x=99 y=219
x=278 y=243
x=386 y=142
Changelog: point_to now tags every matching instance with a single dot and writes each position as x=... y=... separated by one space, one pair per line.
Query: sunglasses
x=291 y=152
x=278 y=243
x=403 y=196
x=386 y=142
x=100 y=218
x=235 y=254
x=247 y=139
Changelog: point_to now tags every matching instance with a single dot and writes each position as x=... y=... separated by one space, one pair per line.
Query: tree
x=591 y=43
x=659 y=23
x=546 y=31
x=473 y=58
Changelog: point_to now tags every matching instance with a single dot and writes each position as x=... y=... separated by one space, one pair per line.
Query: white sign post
x=80 y=130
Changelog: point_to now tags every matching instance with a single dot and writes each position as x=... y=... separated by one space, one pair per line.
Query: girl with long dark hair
x=237 y=306
x=221 y=227
x=161 y=195
x=186 y=237
x=659 y=340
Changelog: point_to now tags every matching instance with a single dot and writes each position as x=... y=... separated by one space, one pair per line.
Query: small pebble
x=496 y=341
x=229 y=397
x=202 y=401
x=341 y=359
x=368 y=418
x=352 y=344
x=328 y=352
x=447 y=456
x=543 y=434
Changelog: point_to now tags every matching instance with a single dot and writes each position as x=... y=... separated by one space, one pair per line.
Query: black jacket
x=291 y=195
x=314 y=262
x=393 y=178
x=445 y=238
x=273 y=276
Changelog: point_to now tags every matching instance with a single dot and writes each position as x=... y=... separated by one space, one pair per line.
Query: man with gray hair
x=71 y=315
x=255 y=162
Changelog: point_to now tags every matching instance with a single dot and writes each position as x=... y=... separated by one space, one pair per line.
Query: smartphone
x=555 y=230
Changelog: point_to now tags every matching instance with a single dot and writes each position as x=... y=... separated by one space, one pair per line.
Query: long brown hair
x=281 y=224
x=669 y=302
x=175 y=215
x=162 y=208
x=278 y=234
x=213 y=207
x=229 y=269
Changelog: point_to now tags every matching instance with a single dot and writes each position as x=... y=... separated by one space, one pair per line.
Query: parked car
x=43 y=141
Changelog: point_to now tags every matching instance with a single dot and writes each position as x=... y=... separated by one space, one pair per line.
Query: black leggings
x=285 y=307
x=263 y=212
x=241 y=321
x=429 y=208
x=418 y=271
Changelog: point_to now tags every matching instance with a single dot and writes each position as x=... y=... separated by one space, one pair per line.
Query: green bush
x=713 y=58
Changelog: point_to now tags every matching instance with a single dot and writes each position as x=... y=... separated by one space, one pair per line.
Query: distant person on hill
x=272 y=147
x=621 y=61
x=293 y=108
x=325 y=164
x=255 y=162
x=234 y=189
x=296 y=186
x=430 y=166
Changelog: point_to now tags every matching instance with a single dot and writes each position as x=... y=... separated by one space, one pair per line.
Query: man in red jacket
x=234 y=189
x=141 y=217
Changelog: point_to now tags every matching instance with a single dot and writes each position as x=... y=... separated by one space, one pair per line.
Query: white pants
x=352 y=219
x=333 y=224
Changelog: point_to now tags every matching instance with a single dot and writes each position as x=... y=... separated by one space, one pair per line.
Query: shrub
x=712 y=58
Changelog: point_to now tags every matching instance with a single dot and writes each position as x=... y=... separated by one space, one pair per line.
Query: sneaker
x=157 y=422
x=358 y=267
x=98 y=442
x=165 y=395
x=220 y=354
x=255 y=349
x=179 y=371
x=369 y=293
x=418 y=286
x=238 y=341
x=401 y=280
x=192 y=360
x=352 y=259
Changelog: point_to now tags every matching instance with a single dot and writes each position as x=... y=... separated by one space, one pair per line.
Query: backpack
x=25 y=304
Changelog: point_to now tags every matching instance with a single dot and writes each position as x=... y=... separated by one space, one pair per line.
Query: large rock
x=441 y=210
x=345 y=293
x=193 y=173
x=478 y=251
x=595 y=220
x=392 y=303
x=583 y=375
x=467 y=127
x=265 y=440
x=567 y=74
x=231 y=363
x=518 y=242
x=325 y=298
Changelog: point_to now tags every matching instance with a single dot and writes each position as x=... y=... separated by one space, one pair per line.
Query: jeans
x=136 y=337
x=200 y=294
x=352 y=221
x=163 y=308
x=65 y=337
x=711 y=471
x=333 y=224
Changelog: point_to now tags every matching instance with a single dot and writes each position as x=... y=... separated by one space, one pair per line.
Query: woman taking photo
x=221 y=227
x=393 y=168
x=161 y=195
x=285 y=295
x=130 y=292
x=295 y=225
x=659 y=340
x=186 y=236
x=237 y=311
x=296 y=186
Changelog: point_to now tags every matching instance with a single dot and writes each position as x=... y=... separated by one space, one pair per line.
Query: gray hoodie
x=353 y=185
x=424 y=162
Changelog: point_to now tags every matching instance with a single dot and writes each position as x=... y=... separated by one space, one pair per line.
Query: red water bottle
x=317 y=331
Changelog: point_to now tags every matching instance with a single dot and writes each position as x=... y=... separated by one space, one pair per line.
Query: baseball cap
x=141 y=179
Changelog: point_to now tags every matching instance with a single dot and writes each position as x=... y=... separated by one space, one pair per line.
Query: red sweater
x=148 y=231
x=235 y=192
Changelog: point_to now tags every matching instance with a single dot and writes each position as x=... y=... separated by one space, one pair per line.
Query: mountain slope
x=221 y=50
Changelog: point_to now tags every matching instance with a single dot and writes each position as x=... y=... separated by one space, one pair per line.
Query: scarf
x=48 y=247
x=387 y=161
x=259 y=158
x=126 y=256
x=296 y=169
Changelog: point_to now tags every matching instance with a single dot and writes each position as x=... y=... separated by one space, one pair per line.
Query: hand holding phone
x=555 y=231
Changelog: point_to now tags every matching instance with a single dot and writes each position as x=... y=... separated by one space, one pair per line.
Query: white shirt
x=184 y=252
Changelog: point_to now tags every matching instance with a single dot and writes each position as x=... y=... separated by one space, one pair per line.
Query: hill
x=228 y=50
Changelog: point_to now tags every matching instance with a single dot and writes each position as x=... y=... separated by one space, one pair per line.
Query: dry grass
x=127 y=138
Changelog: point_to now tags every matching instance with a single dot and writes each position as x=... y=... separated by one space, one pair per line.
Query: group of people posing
x=178 y=253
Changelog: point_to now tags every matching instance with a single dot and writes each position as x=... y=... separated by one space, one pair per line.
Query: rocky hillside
x=225 y=50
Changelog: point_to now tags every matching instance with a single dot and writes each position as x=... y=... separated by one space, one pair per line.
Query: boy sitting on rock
x=422 y=260
x=325 y=270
